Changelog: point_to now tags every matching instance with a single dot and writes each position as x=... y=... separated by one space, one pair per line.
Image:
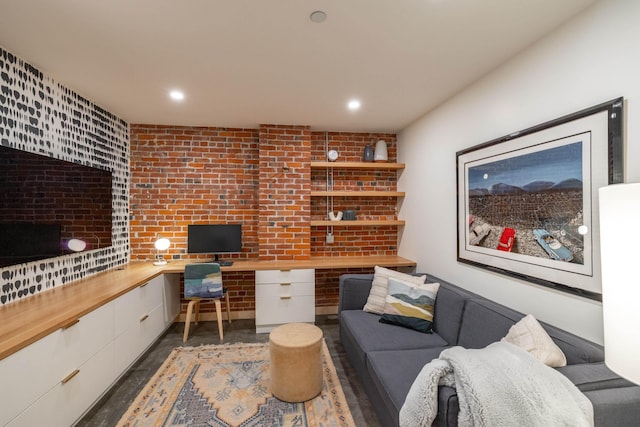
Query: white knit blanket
x=499 y=385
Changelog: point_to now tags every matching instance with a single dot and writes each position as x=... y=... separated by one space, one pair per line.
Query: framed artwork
x=527 y=202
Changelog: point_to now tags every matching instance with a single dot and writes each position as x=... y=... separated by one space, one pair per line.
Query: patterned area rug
x=228 y=385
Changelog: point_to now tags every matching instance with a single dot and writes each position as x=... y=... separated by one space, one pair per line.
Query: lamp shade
x=619 y=239
x=162 y=244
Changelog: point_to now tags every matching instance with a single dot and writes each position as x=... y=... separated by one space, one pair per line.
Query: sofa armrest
x=354 y=291
x=448 y=407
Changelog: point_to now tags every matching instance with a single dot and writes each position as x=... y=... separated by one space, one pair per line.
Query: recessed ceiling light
x=318 y=16
x=176 y=95
x=354 y=105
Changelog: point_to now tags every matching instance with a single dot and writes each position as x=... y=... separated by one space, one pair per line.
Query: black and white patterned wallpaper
x=41 y=116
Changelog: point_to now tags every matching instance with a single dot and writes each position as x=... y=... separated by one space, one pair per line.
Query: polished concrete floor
x=115 y=402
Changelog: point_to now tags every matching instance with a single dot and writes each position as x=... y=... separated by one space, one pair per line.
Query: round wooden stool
x=296 y=361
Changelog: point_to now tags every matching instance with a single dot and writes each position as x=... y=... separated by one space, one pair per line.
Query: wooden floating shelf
x=358 y=193
x=328 y=223
x=356 y=165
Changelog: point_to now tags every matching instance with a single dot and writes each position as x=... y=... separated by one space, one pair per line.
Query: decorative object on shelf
x=335 y=217
x=332 y=155
x=380 y=154
x=349 y=215
x=367 y=155
x=162 y=244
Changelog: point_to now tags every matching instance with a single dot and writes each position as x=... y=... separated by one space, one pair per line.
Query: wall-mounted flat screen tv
x=45 y=203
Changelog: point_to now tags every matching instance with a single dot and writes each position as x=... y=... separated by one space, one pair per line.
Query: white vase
x=380 y=154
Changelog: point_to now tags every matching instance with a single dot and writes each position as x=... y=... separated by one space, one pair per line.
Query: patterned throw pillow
x=410 y=305
x=529 y=335
x=378 y=293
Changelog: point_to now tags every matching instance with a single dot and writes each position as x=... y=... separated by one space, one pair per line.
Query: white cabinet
x=56 y=379
x=68 y=400
x=139 y=320
x=284 y=296
x=38 y=369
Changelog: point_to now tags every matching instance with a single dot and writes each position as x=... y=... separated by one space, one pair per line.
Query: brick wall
x=285 y=155
x=261 y=178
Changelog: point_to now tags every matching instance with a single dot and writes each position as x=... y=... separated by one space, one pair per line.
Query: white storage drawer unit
x=58 y=362
x=55 y=380
x=139 y=319
x=284 y=296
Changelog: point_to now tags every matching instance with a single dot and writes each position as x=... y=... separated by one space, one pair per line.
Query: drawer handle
x=70 y=376
x=285 y=297
x=143 y=318
x=285 y=269
x=70 y=324
x=285 y=284
x=143 y=285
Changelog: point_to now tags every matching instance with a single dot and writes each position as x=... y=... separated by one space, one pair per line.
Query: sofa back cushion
x=449 y=305
x=485 y=321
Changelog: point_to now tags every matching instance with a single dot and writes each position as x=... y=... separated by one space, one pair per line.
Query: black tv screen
x=48 y=202
x=214 y=238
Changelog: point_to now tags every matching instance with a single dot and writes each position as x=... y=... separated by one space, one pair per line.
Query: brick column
x=284 y=192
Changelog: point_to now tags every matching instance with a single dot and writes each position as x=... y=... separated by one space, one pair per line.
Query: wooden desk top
x=26 y=321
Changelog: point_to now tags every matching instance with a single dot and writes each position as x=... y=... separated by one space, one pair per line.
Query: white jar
x=380 y=154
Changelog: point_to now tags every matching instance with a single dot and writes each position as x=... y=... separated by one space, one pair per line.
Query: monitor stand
x=223 y=263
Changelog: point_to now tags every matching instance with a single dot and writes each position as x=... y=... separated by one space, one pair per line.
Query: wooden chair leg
x=219 y=317
x=187 y=321
x=228 y=304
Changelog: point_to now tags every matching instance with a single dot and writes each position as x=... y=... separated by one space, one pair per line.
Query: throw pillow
x=378 y=293
x=410 y=305
x=529 y=335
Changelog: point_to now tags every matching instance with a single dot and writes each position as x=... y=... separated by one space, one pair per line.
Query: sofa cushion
x=409 y=305
x=371 y=335
x=485 y=321
x=448 y=309
x=393 y=373
x=593 y=376
x=529 y=335
x=378 y=293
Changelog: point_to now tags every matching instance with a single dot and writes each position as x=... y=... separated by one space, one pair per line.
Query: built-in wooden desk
x=28 y=320
x=319 y=263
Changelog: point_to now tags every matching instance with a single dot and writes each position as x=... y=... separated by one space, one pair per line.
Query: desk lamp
x=162 y=244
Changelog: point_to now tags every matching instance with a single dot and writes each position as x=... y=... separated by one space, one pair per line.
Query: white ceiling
x=246 y=62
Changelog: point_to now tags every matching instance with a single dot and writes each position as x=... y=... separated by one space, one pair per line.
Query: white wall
x=592 y=59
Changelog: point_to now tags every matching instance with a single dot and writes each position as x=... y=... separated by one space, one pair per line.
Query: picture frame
x=527 y=202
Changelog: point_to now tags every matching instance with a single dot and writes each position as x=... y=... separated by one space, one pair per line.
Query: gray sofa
x=387 y=358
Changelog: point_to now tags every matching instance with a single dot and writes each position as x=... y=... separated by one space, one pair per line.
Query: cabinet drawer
x=37 y=368
x=285 y=276
x=66 y=402
x=130 y=307
x=133 y=341
x=284 y=289
x=276 y=310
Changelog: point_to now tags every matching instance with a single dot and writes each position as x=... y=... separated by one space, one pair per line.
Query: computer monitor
x=214 y=239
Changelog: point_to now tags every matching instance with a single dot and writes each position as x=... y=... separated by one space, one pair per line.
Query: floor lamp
x=619 y=240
